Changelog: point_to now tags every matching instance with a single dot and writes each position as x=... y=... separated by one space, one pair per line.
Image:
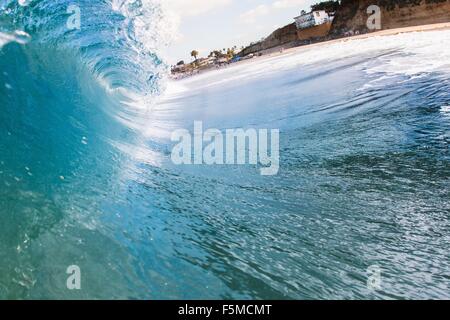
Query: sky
x=206 y=25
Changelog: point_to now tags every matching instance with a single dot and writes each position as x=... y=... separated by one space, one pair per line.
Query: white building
x=312 y=19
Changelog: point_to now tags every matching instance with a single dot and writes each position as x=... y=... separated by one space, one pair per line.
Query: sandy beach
x=283 y=52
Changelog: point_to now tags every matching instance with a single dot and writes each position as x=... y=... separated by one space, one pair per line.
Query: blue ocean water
x=86 y=177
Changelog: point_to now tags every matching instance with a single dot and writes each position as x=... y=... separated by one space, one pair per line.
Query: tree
x=217 y=54
x=194 y=54
x=230 y=53
x=328 y=6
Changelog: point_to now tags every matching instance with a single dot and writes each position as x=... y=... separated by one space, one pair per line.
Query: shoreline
x=381 y=33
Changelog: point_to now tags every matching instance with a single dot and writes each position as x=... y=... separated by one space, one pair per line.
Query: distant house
x=221 y=61
x=180 y=68
x=313 y=25
x=312 y=19
x=205 y=62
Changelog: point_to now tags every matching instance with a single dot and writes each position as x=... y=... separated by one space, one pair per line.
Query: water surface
x=86 y=177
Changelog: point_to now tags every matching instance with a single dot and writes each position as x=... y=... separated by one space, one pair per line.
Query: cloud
x=251 y=16
x=283 y=4
x=185 y=8
x=176 y=10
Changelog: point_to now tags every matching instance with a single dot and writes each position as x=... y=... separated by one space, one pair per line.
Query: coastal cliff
x=352 y=15
x=285 y=35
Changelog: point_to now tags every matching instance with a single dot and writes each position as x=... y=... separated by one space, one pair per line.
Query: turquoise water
x=86 y=177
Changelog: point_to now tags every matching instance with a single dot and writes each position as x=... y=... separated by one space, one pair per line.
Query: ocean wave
x=98 y=80
x=117 y=40
x=69 y=98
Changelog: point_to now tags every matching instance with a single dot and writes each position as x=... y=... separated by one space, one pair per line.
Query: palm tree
x=230 y=53
x=194 y=54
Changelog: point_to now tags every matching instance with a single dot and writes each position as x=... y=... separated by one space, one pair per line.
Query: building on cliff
x=316 y=24
x=312 y=19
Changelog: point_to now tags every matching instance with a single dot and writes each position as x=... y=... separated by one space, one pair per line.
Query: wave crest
x=118 y=40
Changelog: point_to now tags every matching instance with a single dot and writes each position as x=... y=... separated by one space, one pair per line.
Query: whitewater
x=86 y=175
